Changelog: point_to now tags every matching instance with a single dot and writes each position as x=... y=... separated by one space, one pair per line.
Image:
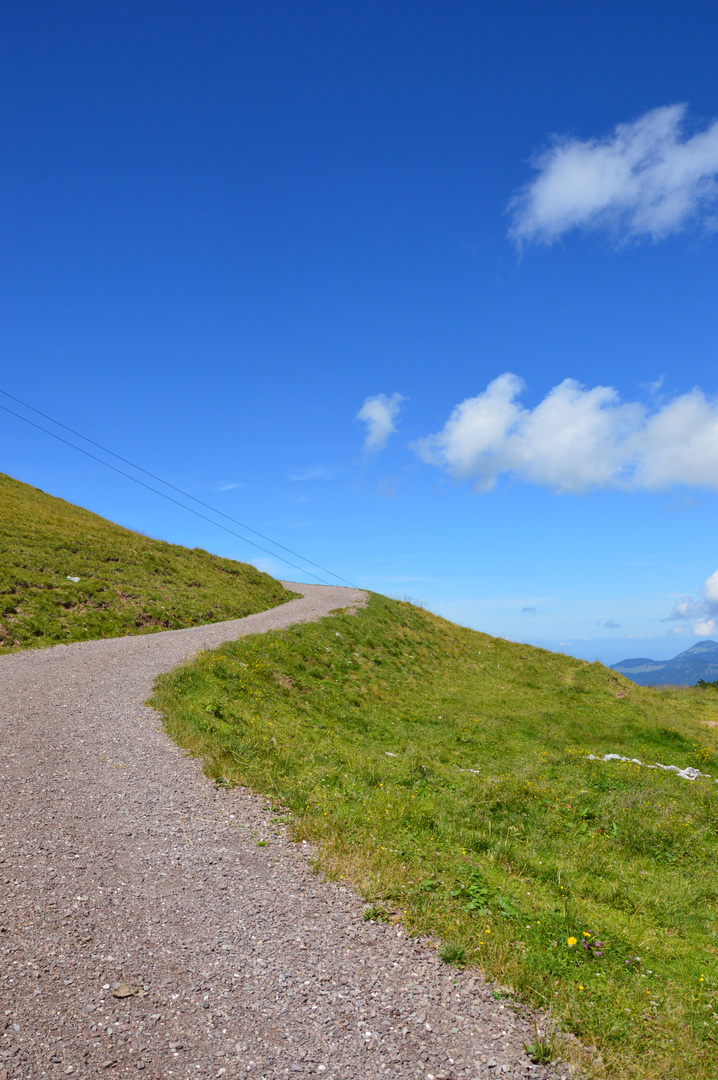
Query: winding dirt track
x=123 y=869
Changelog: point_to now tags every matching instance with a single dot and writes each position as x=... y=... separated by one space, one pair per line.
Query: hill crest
x=67 y=574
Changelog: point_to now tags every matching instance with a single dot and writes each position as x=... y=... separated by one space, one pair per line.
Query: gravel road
x=145 y=931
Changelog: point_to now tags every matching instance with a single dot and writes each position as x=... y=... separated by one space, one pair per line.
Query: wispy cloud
x=610 y=625
x=315 y=472
x=644 y=180
x=577 y=439
x=379 y=413
x=702 y=610
x=230 y=485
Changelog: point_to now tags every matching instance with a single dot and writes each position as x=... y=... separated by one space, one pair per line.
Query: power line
x=160 y=480
x=162 y=494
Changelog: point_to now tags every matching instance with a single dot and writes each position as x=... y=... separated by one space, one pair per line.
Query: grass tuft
x=377 y=914
x=543 y=1049
x=453 y=954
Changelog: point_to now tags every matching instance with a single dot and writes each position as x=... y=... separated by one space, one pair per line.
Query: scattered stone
x=125 y=990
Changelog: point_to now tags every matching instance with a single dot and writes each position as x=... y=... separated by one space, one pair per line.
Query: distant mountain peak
x=698 y=662
x=700 y=646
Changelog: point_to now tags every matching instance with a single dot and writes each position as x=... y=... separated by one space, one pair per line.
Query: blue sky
x=230 y=228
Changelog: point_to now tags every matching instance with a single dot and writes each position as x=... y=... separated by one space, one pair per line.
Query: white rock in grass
x=689 y=773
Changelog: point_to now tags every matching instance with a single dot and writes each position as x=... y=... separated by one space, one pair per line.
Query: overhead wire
x=174 y=487
x=163 y=494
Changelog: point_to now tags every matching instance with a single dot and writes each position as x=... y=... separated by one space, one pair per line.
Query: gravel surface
x=151 y=924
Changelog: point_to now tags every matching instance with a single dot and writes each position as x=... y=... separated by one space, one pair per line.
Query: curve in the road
x=143 y=931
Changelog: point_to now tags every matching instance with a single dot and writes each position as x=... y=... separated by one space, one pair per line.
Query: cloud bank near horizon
x=378 y=413
x=577 y=440
x=644 y=180
x=703 y=609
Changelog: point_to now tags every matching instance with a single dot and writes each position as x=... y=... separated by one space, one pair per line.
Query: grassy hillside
x=128 y=584
x=446 y=774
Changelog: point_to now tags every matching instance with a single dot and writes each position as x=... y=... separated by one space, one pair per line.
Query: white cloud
x=685 y=609
x=577 y=439
x=704 y=609
x=710 y=590
x=379 y=413
x=645 y=179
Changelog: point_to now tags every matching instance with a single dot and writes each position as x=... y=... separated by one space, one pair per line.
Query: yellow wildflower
x=571 y=941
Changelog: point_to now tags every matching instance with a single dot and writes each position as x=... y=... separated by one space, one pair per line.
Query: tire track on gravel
x=123 y=869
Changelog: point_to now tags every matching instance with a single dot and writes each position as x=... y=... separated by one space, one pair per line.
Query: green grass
x=128 y=583
x=445 y=774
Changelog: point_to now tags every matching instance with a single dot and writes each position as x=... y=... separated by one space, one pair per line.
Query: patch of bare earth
x=144 y=932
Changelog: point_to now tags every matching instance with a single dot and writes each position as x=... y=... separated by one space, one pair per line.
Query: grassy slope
x=367 y=727
x=128 y=583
